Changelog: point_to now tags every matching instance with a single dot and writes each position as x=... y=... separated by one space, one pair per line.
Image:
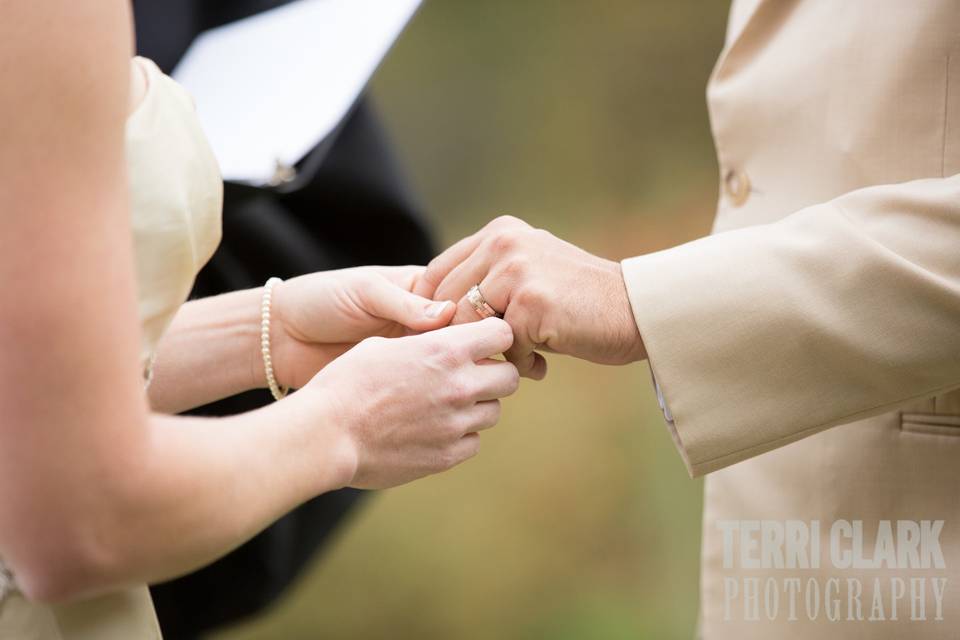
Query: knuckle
x=493 y=413
x=483 y=416
x=505 y=332
x=473 y=449
x=452 y=356
x=459 y=391
x=450 y=360
x=442 y=352
x=462 y=352
x=514 y=381
x=506 y=221
x=456 y=427
x=504 y=241
x=529 y=296
x=433 y=346
x=447 y=459
x=517 y=266
x=499 y=332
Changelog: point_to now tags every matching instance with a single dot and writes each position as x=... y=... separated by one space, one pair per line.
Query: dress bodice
x=176 y=196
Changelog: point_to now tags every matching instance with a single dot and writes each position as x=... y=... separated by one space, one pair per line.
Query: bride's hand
x=407 y=407
x=318 y=316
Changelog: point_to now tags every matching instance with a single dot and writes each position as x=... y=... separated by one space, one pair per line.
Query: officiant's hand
x=318 y=316
x=554 y=295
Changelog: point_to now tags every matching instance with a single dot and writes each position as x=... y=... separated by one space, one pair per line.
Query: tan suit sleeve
x=761 y=336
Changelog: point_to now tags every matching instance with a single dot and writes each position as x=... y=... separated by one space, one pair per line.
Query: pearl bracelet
x=275 y=389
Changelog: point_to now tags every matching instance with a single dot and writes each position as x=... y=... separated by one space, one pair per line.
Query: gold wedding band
x=480 y=305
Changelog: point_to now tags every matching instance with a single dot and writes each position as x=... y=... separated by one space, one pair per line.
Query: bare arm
x=211 y=351
x=212 y=348
x=80 y=455
x=95 y=492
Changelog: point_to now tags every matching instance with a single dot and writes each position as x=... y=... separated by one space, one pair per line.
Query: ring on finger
x=480 y=304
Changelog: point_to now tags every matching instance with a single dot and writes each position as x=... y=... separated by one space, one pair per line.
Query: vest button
x=736 y=185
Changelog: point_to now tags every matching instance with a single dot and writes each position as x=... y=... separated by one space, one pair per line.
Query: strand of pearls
x=275 y=389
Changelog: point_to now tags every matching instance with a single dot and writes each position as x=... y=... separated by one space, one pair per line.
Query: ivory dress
x=176 y=195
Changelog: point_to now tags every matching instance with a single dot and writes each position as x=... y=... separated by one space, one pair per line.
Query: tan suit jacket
x=809 y=350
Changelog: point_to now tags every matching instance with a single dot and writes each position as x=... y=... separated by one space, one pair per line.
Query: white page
x=270 y=87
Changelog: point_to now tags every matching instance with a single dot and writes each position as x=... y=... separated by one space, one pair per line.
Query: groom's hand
x=554 y=295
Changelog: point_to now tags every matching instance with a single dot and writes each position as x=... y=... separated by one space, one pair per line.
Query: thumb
x=388 y=301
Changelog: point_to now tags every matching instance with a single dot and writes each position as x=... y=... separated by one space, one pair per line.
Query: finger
x=423 y=288
x=386 y=300
x=529 y=363
x=443 y=265
x=481 y=416
x=522 y=353
x=466 y=274
x=484 y=339
x=495 y=379
x=495 y=287
x=466 y=447
x=440 y=266
x=465 y=312
x=405 y=277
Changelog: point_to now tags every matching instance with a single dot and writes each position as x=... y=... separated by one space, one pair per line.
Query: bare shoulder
x=58 y=58
x=64 y=91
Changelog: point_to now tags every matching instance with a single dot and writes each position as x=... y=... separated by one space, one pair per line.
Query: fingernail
x=436 y=309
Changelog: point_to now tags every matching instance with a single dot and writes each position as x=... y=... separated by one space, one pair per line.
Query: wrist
x=296 y=357
x=240 y=315
x=284 y=347
x=251 y=301
x=307 y=436
x=338 y=448
x=627 y=333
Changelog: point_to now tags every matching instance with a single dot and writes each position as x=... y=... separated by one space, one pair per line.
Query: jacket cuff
x=641 y=301
x=682 y=317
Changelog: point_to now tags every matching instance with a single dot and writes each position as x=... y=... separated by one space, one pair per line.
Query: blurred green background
x=578 y=519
